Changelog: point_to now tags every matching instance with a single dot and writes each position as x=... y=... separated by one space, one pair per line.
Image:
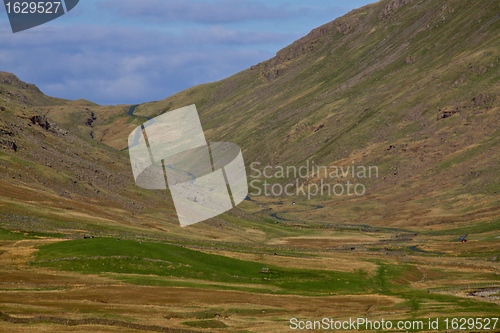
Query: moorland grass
x=20 y=235
x=107 y=255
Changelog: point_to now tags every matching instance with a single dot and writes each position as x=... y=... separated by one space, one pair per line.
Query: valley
x=406 y=88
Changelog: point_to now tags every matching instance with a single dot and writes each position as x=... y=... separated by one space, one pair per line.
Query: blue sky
x=133 y=51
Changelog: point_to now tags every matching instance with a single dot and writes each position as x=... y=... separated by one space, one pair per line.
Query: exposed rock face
x=41 y=121
x=443 y=114
x=91 y=119
x=6 y=139
x=391 y=8
x=482 y=100
x=9 y=144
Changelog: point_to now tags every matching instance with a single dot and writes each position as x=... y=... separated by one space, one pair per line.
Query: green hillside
x=410 y=87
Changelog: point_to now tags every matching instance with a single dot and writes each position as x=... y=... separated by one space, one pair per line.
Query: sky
x=135 y=51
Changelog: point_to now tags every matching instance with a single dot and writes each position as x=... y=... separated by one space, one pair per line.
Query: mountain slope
x=56 y=178
x=408 y=86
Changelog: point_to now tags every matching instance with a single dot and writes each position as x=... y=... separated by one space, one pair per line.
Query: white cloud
x=208 y=12
x=140 y=64
x=107 y=57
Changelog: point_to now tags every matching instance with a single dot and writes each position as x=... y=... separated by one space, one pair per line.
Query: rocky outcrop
x=7 y=139
x=8 y=144
x=410 y=60
x=90 y=120
x=391 y=8
x=41 y=121
x=482 y=100
x=443 y=114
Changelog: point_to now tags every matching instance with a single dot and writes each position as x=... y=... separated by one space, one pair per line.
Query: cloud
x=137 y=81
x=217 y=34
x=127 y=64
x=107 y=52
x=207 y=12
